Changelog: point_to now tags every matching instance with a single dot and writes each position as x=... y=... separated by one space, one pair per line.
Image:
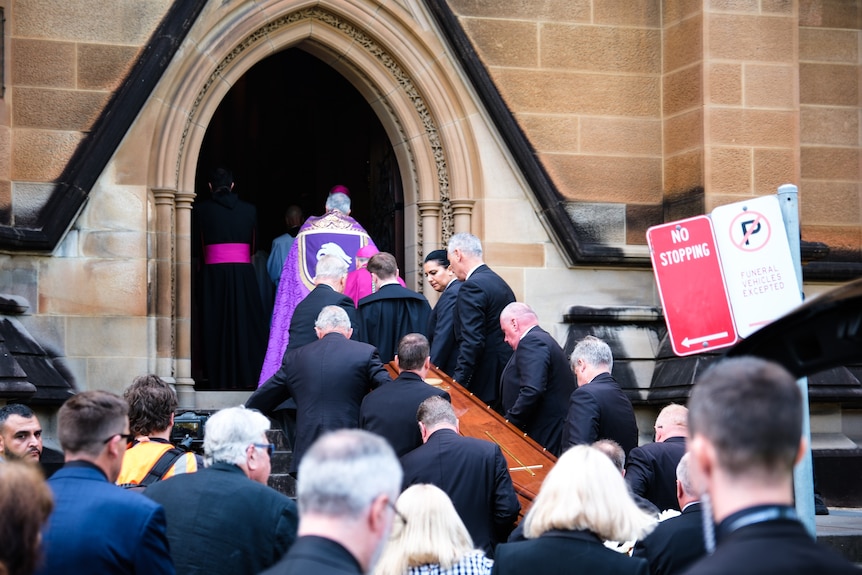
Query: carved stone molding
x=373 y=48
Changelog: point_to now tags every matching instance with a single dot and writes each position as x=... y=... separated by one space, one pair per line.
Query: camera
x=188 y=431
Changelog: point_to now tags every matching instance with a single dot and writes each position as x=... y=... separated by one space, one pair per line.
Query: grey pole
x=803 y=474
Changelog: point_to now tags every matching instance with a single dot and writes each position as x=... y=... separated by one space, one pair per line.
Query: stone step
x=841 y=530
x=279 y=479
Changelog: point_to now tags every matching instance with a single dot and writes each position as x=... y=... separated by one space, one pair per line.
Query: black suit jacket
x=318 y=556
x=306 y=312
x=482 y=349
x=651 y=471
x=675 y=543
x=600 y=410
x=328 y=379
x=560 y=552
x=389 y=314
x=535 y=387
x=222 y=522
x=390 y=410
x=778 y=547
x=441 y=329
x=476 y=477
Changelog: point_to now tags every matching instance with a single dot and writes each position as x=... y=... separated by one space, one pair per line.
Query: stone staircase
x=279 y=479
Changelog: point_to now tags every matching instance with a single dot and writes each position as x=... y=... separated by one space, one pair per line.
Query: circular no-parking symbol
x=750 y=231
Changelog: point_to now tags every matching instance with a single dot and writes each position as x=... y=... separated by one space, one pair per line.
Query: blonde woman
x=429 y=538
x=583 y=501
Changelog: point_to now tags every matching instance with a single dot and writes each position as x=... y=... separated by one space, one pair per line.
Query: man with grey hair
x=97 y=526
x=330 y=275
x=348 y=483
x=328 y=379
x=677 y=542
x=651 y=468
x=537 y=381
x=224 y=519
x=482 y=351
x=329 y=278
x=745 y=437
x=473 y=472
x=598 y=408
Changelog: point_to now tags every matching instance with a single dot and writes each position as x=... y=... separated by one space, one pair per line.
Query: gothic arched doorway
x=290 y=128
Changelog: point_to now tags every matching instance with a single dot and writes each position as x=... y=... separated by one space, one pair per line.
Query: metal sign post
x=803 y=474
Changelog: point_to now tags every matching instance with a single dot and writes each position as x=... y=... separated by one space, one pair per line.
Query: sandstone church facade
x=557 y=131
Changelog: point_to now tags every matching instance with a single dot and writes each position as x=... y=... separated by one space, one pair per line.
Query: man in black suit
x=538 y=381
x=347 y=486
x=392 y=311
x=390 y=410
x=676 y=542
x=651 y=468
x=441 y=323
x=482 y=352
x=598 y=408
x=327 y=378
x=329 y=278
x=471 y=471
x=745 y=428
x=224 y=519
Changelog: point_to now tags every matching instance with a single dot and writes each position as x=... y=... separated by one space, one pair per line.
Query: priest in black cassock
x=392 y=311
x=233 y=323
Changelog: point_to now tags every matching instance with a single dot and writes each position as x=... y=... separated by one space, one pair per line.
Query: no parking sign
x=758 y=266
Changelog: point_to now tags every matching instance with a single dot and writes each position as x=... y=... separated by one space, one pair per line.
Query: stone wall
x=655 y=110
x=830 y=36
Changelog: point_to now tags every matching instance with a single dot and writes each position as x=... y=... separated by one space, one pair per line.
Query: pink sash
x=227 y=254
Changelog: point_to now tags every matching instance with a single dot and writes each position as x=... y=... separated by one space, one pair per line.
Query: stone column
x=183 y=293
x=462 y=213
x=163 y=288
x=429 y=214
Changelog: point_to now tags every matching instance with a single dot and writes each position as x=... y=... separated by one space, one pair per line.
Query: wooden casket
x=529 y=462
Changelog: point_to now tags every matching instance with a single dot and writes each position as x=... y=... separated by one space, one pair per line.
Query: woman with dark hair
x=441 y=324
x=25 y=503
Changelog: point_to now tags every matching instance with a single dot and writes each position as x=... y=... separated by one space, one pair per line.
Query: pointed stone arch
x=405 y=76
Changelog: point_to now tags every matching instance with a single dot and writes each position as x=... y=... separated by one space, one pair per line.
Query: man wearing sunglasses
x=224 y=518
x=96 y=526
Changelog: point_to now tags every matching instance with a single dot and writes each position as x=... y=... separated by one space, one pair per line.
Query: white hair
x=330 y=266
x=344 y=471
x=594 y=352
x=467 y=243
x=229 y=432
x=339 y=202
x=332 y=317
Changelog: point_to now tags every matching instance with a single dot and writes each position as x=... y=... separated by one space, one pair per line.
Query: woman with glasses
x=429 y=538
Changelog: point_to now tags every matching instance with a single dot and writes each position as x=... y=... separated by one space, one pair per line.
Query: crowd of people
x=385 y=482
x=446 y=506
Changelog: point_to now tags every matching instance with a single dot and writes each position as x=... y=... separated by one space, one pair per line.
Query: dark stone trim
x=95 y=151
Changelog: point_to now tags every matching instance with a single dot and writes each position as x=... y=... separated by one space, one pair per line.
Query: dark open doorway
x=290 y=129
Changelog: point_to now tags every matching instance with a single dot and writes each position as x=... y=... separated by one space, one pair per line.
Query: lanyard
x=762 y=515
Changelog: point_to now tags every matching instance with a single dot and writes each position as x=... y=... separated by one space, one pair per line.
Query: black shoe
x=819 y=505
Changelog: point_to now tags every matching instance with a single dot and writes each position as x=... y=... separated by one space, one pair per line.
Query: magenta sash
x=227 y=254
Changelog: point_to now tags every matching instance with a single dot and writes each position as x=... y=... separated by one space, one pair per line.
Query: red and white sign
x=691 y=285
x=758 y=266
